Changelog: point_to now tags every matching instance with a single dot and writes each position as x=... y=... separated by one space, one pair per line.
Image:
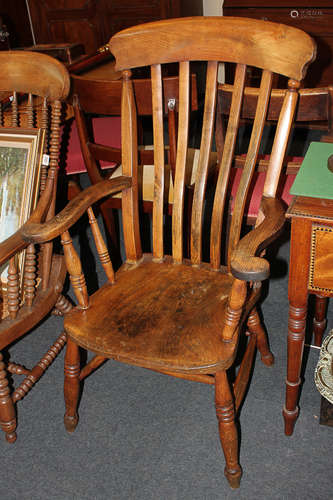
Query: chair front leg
x=255 y=327
x=71 y=385
x=225 y=412
x=7 y=409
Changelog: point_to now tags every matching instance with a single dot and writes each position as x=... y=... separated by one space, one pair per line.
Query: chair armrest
x=245 y=265
x=90 y=61
x=40 y=233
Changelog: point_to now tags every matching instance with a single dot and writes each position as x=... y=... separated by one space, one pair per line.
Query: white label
x=46 y=160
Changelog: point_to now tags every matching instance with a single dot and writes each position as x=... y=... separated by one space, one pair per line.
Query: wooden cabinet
x=92 y=22
x=314 y=17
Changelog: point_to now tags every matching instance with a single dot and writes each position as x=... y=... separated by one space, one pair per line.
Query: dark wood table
x=310 y=272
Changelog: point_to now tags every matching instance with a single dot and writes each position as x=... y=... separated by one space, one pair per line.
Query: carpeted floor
x=146 y=436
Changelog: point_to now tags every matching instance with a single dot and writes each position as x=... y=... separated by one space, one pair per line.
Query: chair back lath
x=273 y=48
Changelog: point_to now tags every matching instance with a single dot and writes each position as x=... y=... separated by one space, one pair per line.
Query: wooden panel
x=316 y=18
x=92 y=22
x=125 y=13
x=17 y=26
x=76 y=21
x=321 y=262
x=276 y=3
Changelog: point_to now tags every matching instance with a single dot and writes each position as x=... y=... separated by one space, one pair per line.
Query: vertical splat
x=159 y=181
x=182 y=142
x=250 y=161
x=205 y=149
x=129 y=155
x=225 y=165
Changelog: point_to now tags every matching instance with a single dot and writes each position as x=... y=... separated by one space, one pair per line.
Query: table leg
x=296 y=335
x=319 y=320
x=300 y=246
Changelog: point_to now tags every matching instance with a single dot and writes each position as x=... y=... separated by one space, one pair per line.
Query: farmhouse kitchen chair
x=184 y=317
x=32 y=88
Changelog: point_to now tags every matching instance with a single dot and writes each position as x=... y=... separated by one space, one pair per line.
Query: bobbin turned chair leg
x=71 y=385
x=255 y=327
x=225 y=412
x=7 y=409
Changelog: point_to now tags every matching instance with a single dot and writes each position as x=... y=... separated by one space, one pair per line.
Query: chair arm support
x=41 y=233
x=245 y=265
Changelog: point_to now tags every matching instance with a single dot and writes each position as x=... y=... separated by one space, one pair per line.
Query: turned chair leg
x=255 y=327
x=225 y=412
x=71 y=385
x=7 y=409
x=62 y=306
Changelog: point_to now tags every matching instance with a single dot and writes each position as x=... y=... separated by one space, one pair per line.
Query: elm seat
x=176 y=309
x=181 y=316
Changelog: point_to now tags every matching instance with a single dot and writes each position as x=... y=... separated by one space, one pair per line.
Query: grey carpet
x=147 y=436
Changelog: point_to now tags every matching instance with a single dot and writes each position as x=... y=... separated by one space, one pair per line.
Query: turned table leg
x=296 y=335
x=298 y=300
x=319 y=320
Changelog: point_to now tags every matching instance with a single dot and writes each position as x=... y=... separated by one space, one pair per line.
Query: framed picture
x=21 y=153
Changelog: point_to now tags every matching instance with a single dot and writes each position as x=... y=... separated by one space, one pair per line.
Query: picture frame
x=21 y=157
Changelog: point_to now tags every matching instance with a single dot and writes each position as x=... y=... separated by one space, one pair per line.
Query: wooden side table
x=310 y=272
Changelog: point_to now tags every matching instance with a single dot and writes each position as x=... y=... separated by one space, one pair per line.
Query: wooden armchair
x=33 y=87
x=184 y=317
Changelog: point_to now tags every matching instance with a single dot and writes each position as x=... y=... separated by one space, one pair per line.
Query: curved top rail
x=35 y=73
x=275 y=47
